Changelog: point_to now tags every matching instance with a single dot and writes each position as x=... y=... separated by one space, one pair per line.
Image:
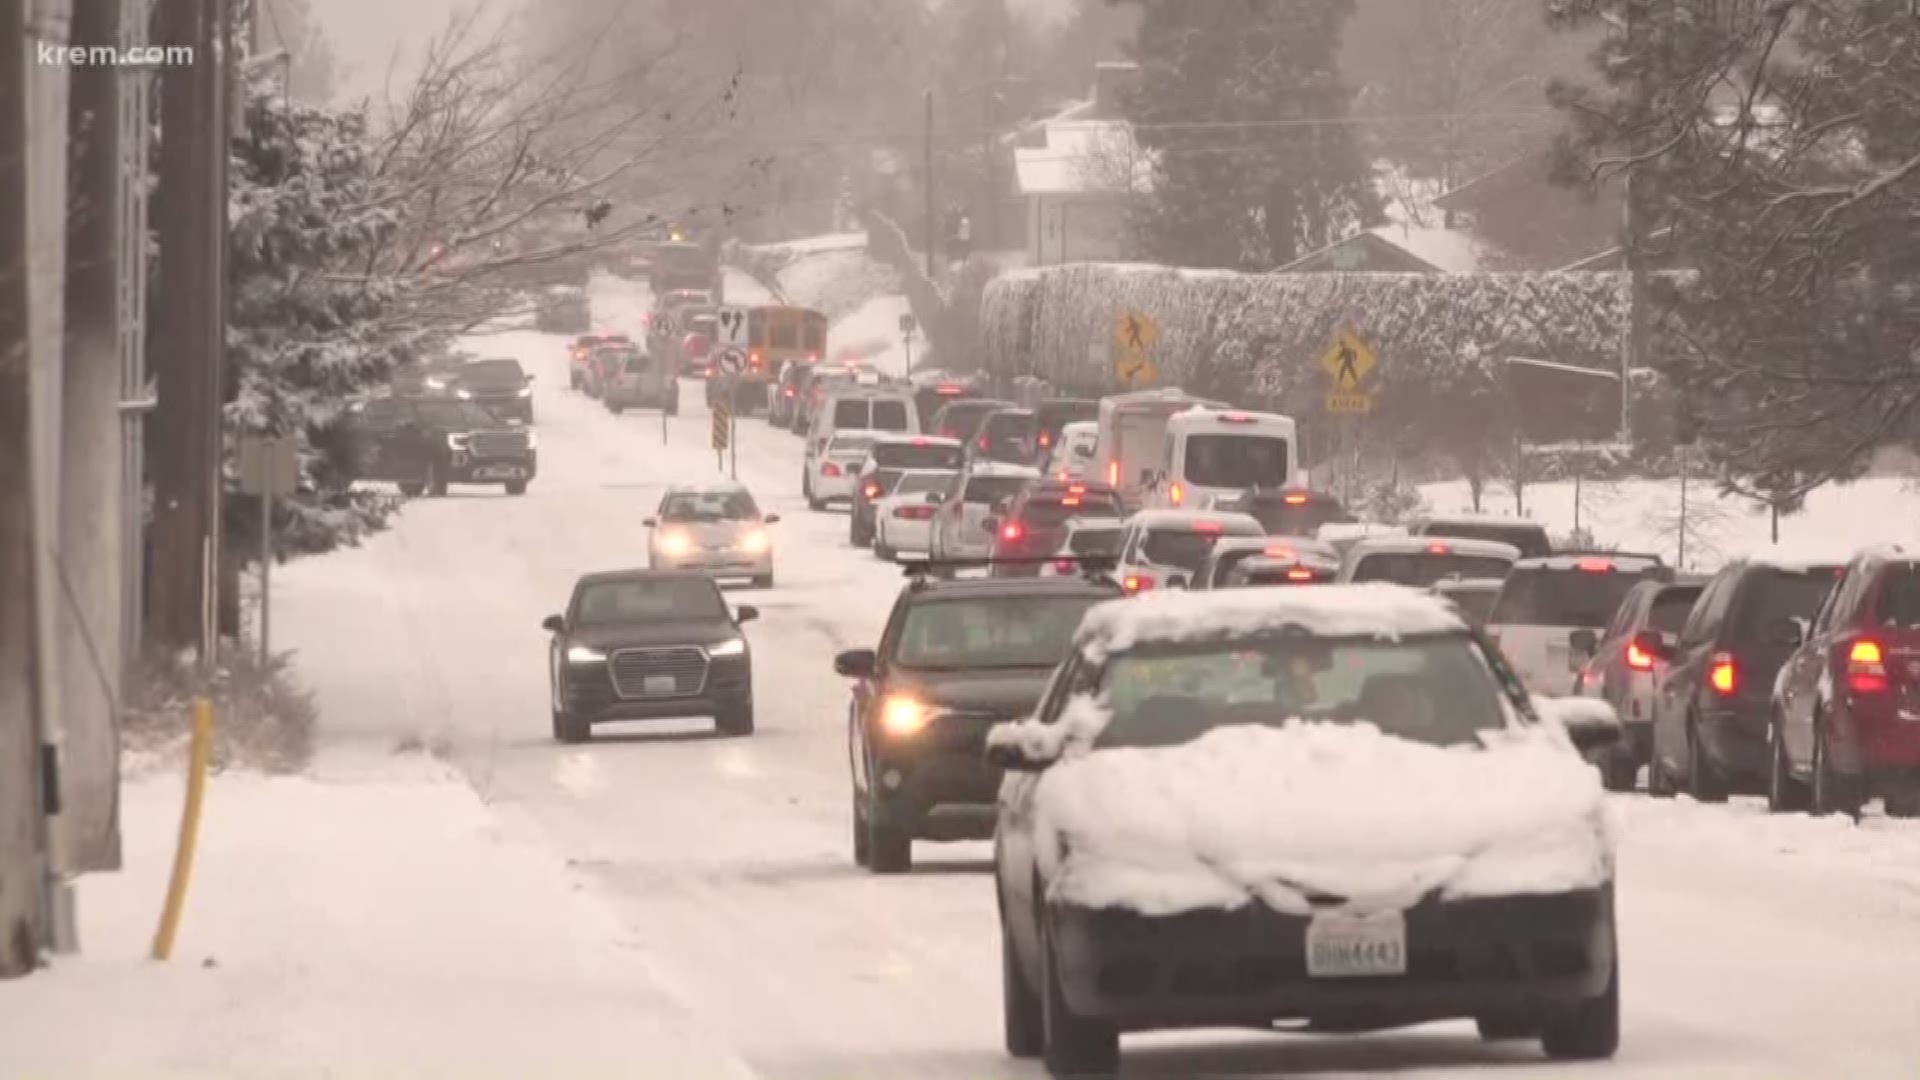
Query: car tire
x=885 y=552
x=1022 y=1023
x=764 y=581
x=1786 y=794
x=616 y=409
x=1832 y=793
x=1903 y=804
x=1659 y=783
x=673 y=406
x=436 y=481
x=516 y=487
x=1620 y=773
x=815 y=504
x=412 y=489
x=862 y=849
x=889 y=848
x=1505 y=1029
x=1073 y=1045
x=570 y=729
x=735 y=722
x=1591 y=1032
x=1704 y=782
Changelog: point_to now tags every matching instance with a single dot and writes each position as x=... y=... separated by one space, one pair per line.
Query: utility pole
x=1634 y=243
x=91 y=529
x=186 y=348
x=24 y=917
x=933 y=225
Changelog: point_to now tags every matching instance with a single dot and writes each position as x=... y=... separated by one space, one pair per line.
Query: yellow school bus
x=777 y=335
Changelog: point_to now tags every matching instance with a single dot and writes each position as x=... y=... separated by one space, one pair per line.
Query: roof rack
x=1097 y=567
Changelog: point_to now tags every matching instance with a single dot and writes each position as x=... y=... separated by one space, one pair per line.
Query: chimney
x=1113 y=80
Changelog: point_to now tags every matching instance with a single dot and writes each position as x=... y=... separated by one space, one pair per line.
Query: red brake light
x=1294 y=500
x=947 y=391
x=1866 y=669
x=1211 y=528
x=1437 y=549
x=1299 y=573
x=1236 y=418
x=1722 y=675
x=873 y=490
x=1046 y=440
x=1596 y=566
x=1278 y=552
x=1638 y=659
x=1012 y=532
x=1177 y=493
x=829 y=469
x=1064 y=566
x=919 y=442
x=1076 y=489
x=983 y=442
x=789 y=391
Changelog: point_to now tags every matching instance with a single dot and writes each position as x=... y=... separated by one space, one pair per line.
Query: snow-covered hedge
x=1256 y=339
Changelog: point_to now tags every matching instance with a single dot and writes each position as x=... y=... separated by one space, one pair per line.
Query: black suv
x=648 y=645
x=1715 y=702
x=424 y=444
x=1290 y=511
x=501 y=385
x=956 y=657
x=962 y=419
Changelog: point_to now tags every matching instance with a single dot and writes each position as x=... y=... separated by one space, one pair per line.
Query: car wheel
x=1785 y=793
x=673 y=406
x=1659 y=781
x=436 y=481
x=412 y=489
x=1832 y=793
x=1620 y=773
x=1704 y=782
x=571 y=729
x=883 y=551
x=1591 y=1032
x=1021 y=1020
x=862 y=851
x=815 y=504
x=516 y=487
x=616 y=409
x=1072 y=1045
x=735 y=721
x=764 y=581
x=889 y=848
x=1903 y=804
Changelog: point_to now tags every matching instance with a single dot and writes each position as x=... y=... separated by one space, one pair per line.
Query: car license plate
x=1349 y=947
x=660 y=684
x=501 y=472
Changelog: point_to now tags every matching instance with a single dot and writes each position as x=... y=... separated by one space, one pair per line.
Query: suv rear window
x=991 y=489
x=1051 y=511
x=851 y=413
x=1237 y=461
x=1178 y=548
x=1768 y=596
x=909 y=456
x=1095 y=542
x=1530 y=539
x=890 y=415
x=1671 y=608
x=1420 y=569
x=1549 y=596
x=1898 y=606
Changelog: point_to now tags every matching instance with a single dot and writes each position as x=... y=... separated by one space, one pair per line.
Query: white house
x=1076 y=174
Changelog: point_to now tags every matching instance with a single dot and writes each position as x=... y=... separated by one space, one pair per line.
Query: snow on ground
x=814 y=245
x=1643 y=515
x=873 y=333
x=375 y=918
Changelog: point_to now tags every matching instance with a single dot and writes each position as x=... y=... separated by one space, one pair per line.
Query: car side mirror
x=554 y=624
x=1591 y=723
x=1654 y=644
x=1583 y=643
x=855 y=663
x=651 y=523
x=770 y=519
x=1786 y=632
x=746 y=614
x=529 y=378
x=1011 y=758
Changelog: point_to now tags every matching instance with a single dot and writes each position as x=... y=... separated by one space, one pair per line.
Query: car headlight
x=754 y=542
x=580 y=654
x=526 y=391
x=463 y=395
x=456 y=442
x=731 y=647
x=674 y=543
x=902 y=715
x=533 y=441
x=436 y=384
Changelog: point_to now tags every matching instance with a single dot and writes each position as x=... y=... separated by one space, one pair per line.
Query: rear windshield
x=1899 y=603
x=852 y=413
x=1671 y=608
x=1280 y=519
x=1237 y=461
x=1570 y=598
x=1178 y=548
x=848 y=445
x=1420 y=569
x=1475 y=604
x=618 y=602
x=963 y=419
x=919 y=483
x=1225 y=564
x=878 y=414
x=1059 y=414
x=1053 y=511
x=1772 y=595
x=991 y=489
x=1095 y=542
x=909 y=456
x=1530 y=539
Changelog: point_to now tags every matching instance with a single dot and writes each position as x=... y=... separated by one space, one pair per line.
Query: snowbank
x=377 y=920
x=1250 y=813
x=1325 y=610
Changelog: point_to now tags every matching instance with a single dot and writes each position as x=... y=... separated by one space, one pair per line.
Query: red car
x=1846 y=707
x=580 y=358
x=1035 y=522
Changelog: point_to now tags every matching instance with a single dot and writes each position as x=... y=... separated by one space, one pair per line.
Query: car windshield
x=988 y=490
x=1281 y=518
x=990 y=632
x=1237 y=461
x=456 y=415
x=849 y=445
x=493 y=372
x=709 y=506
x=1435 y=689
x=1672 y=606
x=1227 y=561
x=918 y=456
x=1420 y=569
x=921 y=483
x=1182 y=549
x=1530 y=539
x=1550 y=596
x=1054 y=511
x=612 y=603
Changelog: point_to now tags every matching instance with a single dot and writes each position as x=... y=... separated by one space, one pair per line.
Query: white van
x=1212 y=456
x=1133 y=437
x=858 y=408
x=1073 y=454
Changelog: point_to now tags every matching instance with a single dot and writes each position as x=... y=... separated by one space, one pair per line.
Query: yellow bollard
x=199 y=759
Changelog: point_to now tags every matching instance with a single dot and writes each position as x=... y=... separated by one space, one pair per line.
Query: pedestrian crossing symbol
x=1349 y=360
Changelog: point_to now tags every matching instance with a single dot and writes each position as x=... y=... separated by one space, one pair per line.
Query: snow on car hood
x=1316 y=811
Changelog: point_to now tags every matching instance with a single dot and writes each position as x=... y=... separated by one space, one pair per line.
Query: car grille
x=499 y=443
x=685 y=665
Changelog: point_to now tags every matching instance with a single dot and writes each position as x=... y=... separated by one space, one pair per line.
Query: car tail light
x=829 y=469
x=913 y=513
x=1046 y=440
x=1299 y=573
x=984 y=445
x=1437 y=549
x=1278 y=552
x=1113 y=474
x=1236 y=418
x=1723 y=675
x=1866 y=668
x=1637 y=658
x=1596 y=566
x=1012 y=532
x=1210 y=528
x=1064 y=566
x=948 y=391
x=1137 y=584
x=872 y=490
x=919 y=442
x=947 y=433
x=1294 y=500
x=789 y=391
x=1177 y=493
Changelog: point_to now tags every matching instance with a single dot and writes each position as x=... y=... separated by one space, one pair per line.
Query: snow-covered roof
x=1468 y=518
x=1242 y=524
x=1370 y=610
x=1279 y=546
x=1621 y=560
x=1799 y=557
x=1084 y=157
x=896 y=438
x=1446 y=251
x=1378 y=545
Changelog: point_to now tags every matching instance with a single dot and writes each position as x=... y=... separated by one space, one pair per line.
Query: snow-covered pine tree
x=307 y=330
x=1778 y=142
x=1243 y=106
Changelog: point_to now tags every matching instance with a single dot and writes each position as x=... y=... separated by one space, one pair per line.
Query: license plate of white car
x=1356 y=947
x=660 y=684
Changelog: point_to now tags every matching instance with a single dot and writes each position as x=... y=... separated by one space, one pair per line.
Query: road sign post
x=1348 y=361
x=269 y=466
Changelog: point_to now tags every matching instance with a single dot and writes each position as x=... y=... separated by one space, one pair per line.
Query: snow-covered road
x=1751 y=947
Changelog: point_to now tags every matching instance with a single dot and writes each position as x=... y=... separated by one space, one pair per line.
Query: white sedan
x=903 y=520
x=832 y=473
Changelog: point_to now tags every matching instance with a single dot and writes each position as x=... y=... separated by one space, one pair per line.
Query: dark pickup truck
x=423 y=444
x=501 y=385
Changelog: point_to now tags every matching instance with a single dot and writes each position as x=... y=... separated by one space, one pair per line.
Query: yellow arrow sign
x=1348 y=360
x=1136 y=332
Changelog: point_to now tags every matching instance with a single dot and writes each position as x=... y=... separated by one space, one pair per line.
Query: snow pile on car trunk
x=1316 y=811
x=1372 y=609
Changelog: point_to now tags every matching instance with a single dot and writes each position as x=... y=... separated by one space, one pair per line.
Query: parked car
x=1846 y=705
x=1714 y=706
x=1550 y=612
x=428 y=444
x=1529 y=536
x=1624 y=674
x=1030 y=527
x=1168 y=549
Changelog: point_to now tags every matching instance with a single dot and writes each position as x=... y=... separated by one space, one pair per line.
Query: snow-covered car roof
x=1801 y=556
x=1001 y=468
x=704 y=487
x=1471 y=584
x=1300 y=546
x=1370 y=610
x=1468 y=518
x=1084 y=524
x=1080 y=427
x=1356 y=530
x=1889 y=553
x=1185 y=520
x=1376 y=545
x=901 y=438
x=1624 y=561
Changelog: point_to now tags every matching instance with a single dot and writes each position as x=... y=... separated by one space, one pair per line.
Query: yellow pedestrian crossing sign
x=1348 y=361
x=1134 y=367
x=1135 y=332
